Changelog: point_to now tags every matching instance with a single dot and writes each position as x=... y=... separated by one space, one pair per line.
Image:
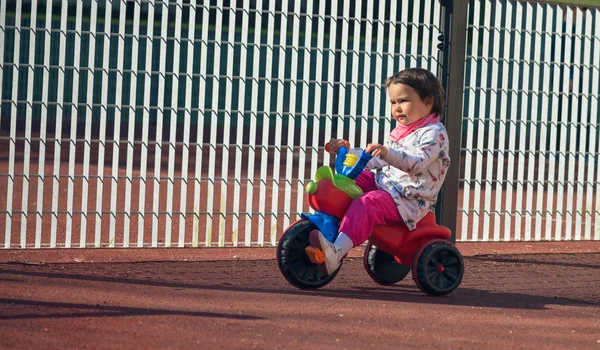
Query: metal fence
x=188 y=123
x=531 y=123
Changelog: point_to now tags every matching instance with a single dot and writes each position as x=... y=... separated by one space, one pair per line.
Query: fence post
x=455 y=32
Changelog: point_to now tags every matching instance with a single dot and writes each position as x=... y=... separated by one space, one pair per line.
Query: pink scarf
x=401 y=131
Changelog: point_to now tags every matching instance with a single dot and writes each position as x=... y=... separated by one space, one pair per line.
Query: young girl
x=414 y=162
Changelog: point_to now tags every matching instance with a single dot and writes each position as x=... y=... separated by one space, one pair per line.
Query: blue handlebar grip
x=342 y=151
x=360 y=165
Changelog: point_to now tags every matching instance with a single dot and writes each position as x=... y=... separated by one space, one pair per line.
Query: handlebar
x=351 y=171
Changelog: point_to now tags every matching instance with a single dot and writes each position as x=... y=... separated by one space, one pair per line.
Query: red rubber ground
x=544 y=296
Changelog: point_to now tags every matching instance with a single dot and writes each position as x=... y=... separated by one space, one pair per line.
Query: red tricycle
x=391 y=251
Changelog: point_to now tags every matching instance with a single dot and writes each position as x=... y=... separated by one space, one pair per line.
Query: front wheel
x=293 y=262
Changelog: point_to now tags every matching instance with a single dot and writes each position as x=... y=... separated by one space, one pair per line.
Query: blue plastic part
x=354 y=171
x=327 y=224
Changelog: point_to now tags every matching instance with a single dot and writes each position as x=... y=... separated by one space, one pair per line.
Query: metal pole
x=454 y=41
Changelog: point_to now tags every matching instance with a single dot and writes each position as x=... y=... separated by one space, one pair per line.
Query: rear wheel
x=438 y=268
x=293 y=262
x=383 y=267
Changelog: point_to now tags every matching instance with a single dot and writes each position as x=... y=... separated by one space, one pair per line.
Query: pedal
x=315 y=255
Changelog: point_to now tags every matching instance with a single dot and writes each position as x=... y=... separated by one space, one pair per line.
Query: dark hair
x=424 y=83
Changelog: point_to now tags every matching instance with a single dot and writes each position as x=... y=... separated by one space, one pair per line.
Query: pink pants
x=374 y=207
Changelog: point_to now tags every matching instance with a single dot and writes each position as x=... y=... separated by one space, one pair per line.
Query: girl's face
x=407 y=105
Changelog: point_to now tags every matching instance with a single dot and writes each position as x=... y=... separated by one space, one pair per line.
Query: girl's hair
x=424 y=83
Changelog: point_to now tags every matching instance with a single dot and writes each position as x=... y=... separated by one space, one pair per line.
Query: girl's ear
x=429 y=101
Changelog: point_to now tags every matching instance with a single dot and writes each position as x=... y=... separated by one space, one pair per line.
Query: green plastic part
x=347 y=185
x=311 y=187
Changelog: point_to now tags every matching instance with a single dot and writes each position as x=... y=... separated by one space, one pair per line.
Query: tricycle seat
x=399 y=241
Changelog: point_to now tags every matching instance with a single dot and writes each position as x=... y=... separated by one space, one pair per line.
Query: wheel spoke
x=449 y=275
x=450 y=261
x=439 y=282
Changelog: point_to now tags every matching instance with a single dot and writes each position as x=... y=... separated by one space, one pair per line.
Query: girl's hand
x=334 y=144
x=377 y=150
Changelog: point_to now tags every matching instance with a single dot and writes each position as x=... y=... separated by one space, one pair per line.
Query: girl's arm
x=417 y=160
x=374 y=163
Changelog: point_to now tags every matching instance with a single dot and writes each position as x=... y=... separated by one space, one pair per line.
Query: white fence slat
x=594 y=110
x=185 y=156
x=102 y=131
x=436 y=32
x=13 y=126
x=577 y=118
x=28 y=117
x=328 y=83
x=363 y=115
x=226 y=134
x=394 y=28
x=414 y=60
x=471 y=118
x=117 y=127
x=403 y=59
x=43 y=127
x=278 y=126
x=2 y=34
x=513 y=113
x=379 y=89
x=243 y=14
x=538 y=72
x=485 y=211
x=320 y=88
x=426 y=40
x=74 y=117
x=553 y=183
x=102 y=136
x=512 y=96
x=213 y=125
x=354 y=118
x=88 y=116
x=160 y=115
x=304 y=118
x=564 y=210
x=58 y=128
x=200 y=125
x=522 y=96
x=145 y=122
x=241 y=98
x=589 y=159
x=173 y=127
x=501 y=97
x=289 y=164
x=344 y=87
x=531 y=126
x=491 y=155
x=134 y=77
x=265 y=134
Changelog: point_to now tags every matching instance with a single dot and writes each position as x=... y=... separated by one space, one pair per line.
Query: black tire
x=427 y=271
x=382 y=267
x=293 y=262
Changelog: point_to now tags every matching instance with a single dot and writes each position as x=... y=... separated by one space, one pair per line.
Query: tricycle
x=390 y=253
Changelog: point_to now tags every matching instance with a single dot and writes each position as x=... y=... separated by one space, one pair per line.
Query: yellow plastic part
x=315 y=255
x=351 y=159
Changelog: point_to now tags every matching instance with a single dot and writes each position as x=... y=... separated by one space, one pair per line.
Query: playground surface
x=514 y=295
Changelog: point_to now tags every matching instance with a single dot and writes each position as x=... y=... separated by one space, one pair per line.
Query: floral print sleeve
x=419 y=154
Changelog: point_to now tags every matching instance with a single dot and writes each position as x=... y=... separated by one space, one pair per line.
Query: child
x=414 y=162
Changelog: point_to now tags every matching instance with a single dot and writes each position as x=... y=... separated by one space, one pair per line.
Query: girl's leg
x=366 y=181
x=367 y=211
x=371 y=209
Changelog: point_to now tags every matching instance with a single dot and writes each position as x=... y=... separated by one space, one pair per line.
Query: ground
x=515 y=295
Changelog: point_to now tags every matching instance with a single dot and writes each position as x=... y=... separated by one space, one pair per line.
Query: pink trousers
x=374 y=207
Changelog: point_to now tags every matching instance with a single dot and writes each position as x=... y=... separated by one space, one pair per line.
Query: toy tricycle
x=391 y=252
